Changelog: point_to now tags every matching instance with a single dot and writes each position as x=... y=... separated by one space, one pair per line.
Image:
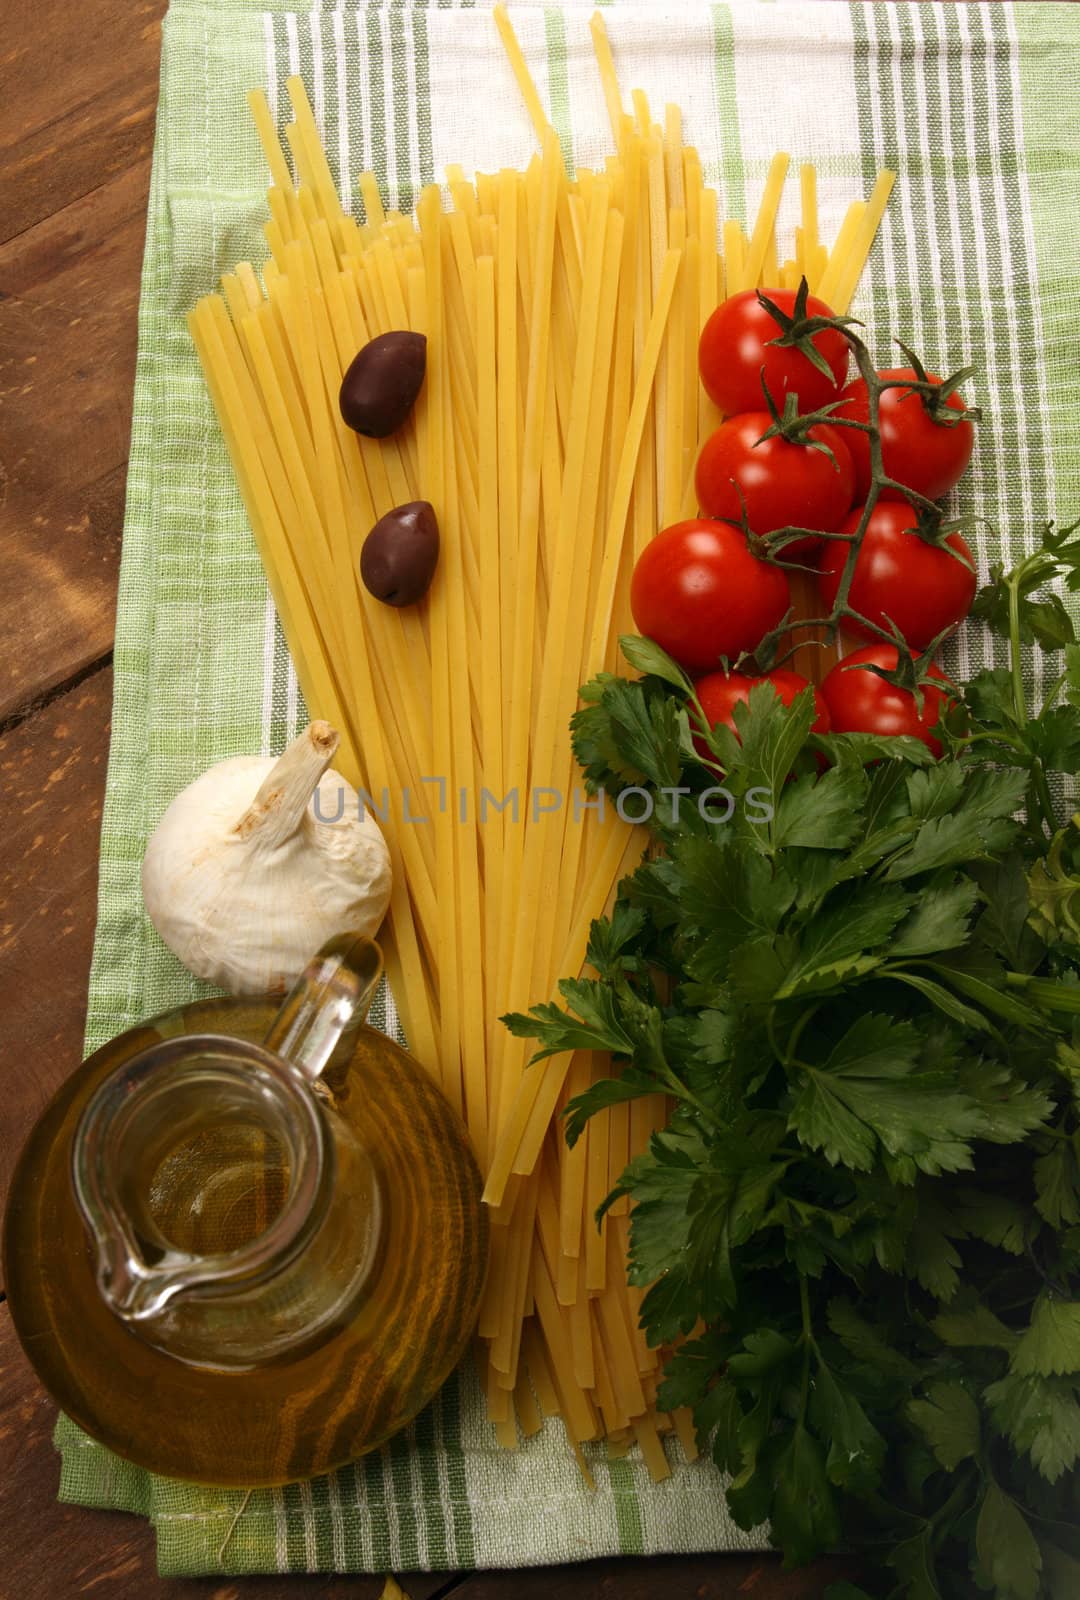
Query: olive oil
x=190 y=1399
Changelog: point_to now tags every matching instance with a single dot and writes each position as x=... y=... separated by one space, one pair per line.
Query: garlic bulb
x=249 y=873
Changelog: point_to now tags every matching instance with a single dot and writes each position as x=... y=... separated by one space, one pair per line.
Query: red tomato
x=720 y=692
x=861 y=702
x=700 y=593
x=783 y=484
x=789 y=685
x=735 y=345
x=899 y=577
x=927 y=456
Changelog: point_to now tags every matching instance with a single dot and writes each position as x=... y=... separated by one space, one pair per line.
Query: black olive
x=382 y=383
x=399 y=555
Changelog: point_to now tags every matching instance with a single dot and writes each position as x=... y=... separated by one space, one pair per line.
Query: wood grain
x=52 y=782
x=68 y=301
x=706 y=1577
x=79 y=86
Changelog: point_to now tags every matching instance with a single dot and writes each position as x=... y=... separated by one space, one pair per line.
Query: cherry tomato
x=720 y=692
x=861 y=702
x=783 y=484
x=927 y=456
x=789 y=685
x=899 y=577
x=700 y=593
x=735 y=345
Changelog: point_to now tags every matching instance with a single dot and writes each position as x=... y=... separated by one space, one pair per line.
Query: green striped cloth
x=976 y=106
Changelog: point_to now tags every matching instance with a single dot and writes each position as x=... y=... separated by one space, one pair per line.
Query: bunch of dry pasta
x=556 y=432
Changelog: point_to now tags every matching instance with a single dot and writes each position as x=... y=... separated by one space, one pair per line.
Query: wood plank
x=68 y=302
x=79 y=85
x=705 y=1577
x=52 y=782
x=52 y=1549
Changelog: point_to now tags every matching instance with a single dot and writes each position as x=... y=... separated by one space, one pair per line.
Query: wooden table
x=80 y=86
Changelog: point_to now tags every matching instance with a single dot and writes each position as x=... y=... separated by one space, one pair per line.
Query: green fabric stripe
x=323 y=34
x=323 y=1526
x=448 y=1406
x=558 y=82
x=279 y=717
x=280 y=97
x=422 y=108
x=295 y=1529
x=627 y=1509
x=408 y=1546
x=438 y=1551
x=376 y=157
x=729 y=173
x=402 y=118
x=370 y=1470
x=1049 y=132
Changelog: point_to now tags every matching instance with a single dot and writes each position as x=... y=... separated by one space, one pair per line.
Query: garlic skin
x=243 y=881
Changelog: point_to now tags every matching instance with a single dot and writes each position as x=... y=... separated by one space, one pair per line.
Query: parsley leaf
x=1009 y=1560
x=948 y=1419
x=939 y=921
x=1040 y=1416
x=820 y=813
x=981 y=824
x=1051 y=1344
x=857 y=1450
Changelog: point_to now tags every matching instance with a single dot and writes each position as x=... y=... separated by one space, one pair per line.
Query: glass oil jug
x=245 y=1247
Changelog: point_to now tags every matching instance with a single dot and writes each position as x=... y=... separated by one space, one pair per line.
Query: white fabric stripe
x=270 y=620
x=412 y=102
x=353 y=1501
x=271 y=64
x=281 y=1539
x=389 y=139
x=416 y=1495
x=308 y=1505
x=269 y=640
x=393 y=1023
x=318 y=78
x=392 y=1527
x=345 y=178
x=442 y=1466
x=337 y=1521
x=365 y=93
x=292 y=698
x=292 y=33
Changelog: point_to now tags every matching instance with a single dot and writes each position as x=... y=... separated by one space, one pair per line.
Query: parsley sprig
x=859 y=1231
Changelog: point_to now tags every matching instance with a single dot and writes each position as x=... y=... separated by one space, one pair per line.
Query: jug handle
x=334 y=992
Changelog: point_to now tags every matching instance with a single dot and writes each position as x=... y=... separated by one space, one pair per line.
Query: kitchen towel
x=975 y=106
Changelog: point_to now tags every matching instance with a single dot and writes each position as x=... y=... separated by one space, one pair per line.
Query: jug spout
x=134 y=1290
